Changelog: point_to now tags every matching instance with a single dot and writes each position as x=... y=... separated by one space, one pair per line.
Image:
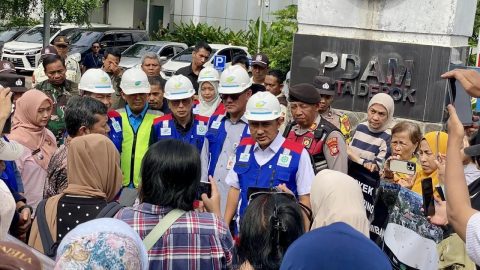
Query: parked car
x=184 y=58
x=9 y=34
x=24 y=52
x=165 y=49
x=81 y=40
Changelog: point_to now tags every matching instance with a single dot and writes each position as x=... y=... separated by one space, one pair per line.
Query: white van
x=24 y=52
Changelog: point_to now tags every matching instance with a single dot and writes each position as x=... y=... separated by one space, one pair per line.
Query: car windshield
x=186 y=55
x=138 y=50
x=35 y=35
x=6 y=35
x=84 y=38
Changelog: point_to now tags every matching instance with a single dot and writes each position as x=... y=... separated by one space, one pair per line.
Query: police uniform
x=323 y=141
x=326 y=86
x=166 y=127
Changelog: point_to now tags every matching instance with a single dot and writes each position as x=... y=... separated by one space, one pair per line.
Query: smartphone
x=403 y=166
x=203 y=188
x=427 y=194
x=440 y=193
x=458 y=97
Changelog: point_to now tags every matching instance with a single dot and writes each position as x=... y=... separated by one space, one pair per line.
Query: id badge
x=116 y=126
x=166 y=131
x=230 y=162
x=201 y=130
x=244 y=157
x=216 y=124
x=284 y=160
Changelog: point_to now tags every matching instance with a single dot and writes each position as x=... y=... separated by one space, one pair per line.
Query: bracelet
x=25 y=206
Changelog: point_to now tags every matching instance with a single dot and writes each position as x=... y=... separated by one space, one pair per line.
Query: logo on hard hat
x=177 y=85
x=19 y=82
x=230 y=79
x=325 y=86
x=104 y=79
x=260 y=104
x=138 y=83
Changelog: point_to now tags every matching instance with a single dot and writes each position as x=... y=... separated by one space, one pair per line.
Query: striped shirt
x=195 y=241
x=371 y=146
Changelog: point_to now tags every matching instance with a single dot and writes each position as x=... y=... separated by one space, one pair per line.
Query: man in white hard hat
x=266 y=160
x=96 y=83
x=137 y=121
x=181 y=124
x=226 y=130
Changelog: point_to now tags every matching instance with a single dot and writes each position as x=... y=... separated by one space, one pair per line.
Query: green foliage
x=277 y=38
x=473 y=40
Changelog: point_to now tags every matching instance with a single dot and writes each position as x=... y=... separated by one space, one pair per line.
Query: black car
x=119 y=39
x=9 y=34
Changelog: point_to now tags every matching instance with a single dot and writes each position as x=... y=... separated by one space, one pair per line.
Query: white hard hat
x=208 y=74
x=178 y=87
x=263 y=106
x=96 y=81
x=135 y=81
x=234 y=80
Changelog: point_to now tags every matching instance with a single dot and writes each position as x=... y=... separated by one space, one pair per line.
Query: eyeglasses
x=185 y=102
x=231 y=96
x=96 y=47
x=61 y=46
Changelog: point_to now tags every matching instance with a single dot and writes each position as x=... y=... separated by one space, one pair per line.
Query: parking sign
x=219 y=62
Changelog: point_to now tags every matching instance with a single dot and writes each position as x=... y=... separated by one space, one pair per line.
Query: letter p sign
x=219 y=62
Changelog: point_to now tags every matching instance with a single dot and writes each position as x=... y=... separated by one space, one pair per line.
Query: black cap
x=260 y=59
x=14 y=81
x=7 y=67
x=257 y=88
x=325 y=85
x=305 y=93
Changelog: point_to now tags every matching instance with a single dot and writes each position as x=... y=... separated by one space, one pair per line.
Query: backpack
x=50 y=247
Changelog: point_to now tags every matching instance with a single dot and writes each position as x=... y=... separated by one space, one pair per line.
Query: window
x=236 y=52
x=124 y=39
x=227 y=53
x=178 y=49
x=107 y=40
x=167 y=52
x=139 y=36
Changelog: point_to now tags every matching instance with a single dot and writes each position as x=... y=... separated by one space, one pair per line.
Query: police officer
x=323 y=140
x=62 y=44
x=326 y=89
x=137 y=122
x=226 y=130
x=96 y=83
x=39 y=73
x=181 y=124
x=266 y=159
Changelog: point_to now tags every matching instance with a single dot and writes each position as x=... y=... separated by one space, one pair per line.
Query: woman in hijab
x=337 y=197
x=369 y=145
x=210 y=101
x=33 y=111
x=94 y=179
x=336 y=246
x=103 y=243
x=432 y=151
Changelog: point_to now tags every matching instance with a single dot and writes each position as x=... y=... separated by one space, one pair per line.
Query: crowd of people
x=105 y=168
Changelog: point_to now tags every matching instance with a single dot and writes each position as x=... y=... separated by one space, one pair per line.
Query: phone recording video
x=427 y=194
x=402 y=166
x=458 y=97
x=203 y=188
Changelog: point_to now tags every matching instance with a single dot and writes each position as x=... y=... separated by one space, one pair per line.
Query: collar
x=131 y=114
x=299 y=131
x=152 y=209
x=187 y=127
x=242 y=119
x=274 y=145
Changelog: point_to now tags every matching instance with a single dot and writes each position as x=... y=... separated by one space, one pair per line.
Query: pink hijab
x=27 y=131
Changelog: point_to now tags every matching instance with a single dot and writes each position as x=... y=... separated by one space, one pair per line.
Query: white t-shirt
x=473 y=238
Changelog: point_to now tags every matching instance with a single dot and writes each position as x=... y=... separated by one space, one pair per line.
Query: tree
x=16 y=12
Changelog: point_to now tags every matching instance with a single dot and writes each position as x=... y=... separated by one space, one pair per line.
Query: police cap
x=304 y=92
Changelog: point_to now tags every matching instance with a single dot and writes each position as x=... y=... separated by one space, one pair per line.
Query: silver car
x=165 y=49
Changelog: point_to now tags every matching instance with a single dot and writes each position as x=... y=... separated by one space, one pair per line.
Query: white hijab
x=337 y=197
x=208 y=108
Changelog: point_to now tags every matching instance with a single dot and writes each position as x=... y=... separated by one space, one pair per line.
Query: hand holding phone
x=402 y=166
x=428 y=200
x=203 y=188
